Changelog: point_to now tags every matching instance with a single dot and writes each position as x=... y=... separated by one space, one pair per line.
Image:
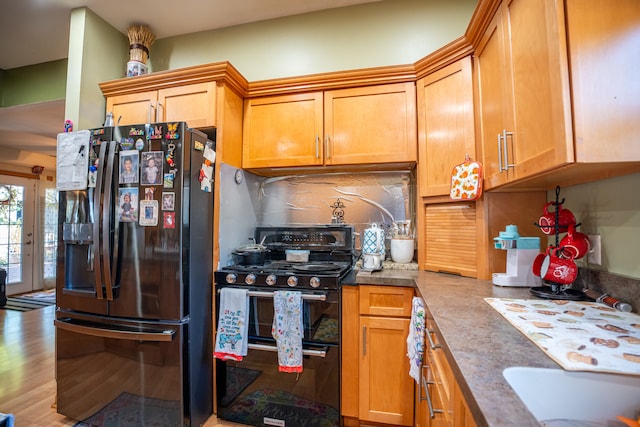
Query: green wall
x=370 y=35
x=610 y=208
x=97 y=52
x=34 y=83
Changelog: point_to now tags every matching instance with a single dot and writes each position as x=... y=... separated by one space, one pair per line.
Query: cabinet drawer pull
x=425 y=385
x=431 y=343
x=317 y=146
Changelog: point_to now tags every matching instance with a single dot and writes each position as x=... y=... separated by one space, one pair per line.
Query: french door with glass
x=17 y=240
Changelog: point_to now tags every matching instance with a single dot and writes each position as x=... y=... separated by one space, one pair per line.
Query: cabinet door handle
x=328 y=142
x=431 y=343
x=364 y=341
x=161 y=118
x=317 y=146
x=499 y=152
x=506 y=149
x=151 y=107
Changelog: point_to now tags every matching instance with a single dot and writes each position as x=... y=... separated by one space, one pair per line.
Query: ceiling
x=37 y=31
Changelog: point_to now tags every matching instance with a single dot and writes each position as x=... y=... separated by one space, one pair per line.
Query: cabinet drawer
x=385 y=300
x=443 y=414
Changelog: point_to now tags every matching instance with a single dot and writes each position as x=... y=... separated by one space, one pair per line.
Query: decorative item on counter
x=521 y=252
x=466 y=180
x=402 y=242
x=373 y=248
x=557 y=221
x=140 y=40
x=372 y=262
x=557 y=267
x=68 y=126
x=575 y=244
x=606 y=299
x=337 y=214
x=373 y=242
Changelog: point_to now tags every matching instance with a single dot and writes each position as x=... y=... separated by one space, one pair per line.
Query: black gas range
x=330 y=258
x=311 y=397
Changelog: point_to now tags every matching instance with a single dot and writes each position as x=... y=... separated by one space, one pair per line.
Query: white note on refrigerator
x=72 y=160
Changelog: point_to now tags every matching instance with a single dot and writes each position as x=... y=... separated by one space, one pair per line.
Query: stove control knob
x=292 y=281
x=271 y=279
x=314 y=282
x=231 y=278
x=250 y=279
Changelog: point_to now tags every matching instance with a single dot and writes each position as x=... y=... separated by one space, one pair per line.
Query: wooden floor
x=27 y=381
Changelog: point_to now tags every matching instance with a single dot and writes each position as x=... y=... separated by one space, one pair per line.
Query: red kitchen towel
x=287 y=329
x=466 y=180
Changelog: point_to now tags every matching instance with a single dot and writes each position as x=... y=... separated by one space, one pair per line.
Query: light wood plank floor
x=27 y=381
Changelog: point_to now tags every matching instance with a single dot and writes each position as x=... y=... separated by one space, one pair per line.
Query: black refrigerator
x=134 y=275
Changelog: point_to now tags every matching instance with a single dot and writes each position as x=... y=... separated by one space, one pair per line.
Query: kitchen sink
x=553 y=394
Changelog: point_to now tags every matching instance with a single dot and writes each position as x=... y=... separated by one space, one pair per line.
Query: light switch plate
x=595 y=253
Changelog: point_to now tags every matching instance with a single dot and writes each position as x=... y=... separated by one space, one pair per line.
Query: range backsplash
x=365 y=197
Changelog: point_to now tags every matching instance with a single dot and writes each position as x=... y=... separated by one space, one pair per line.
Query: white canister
x=402 y=250
x=373 y=241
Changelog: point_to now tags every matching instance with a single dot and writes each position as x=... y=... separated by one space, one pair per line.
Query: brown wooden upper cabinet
x=557 y=85
x=194 y=104
x=523 y=92
x=445 y=125
x=373 y=124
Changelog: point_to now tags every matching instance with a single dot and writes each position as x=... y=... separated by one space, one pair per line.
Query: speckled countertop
x=478 y=342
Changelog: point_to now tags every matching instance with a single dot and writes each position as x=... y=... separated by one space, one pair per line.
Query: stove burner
x=547 y=292
x=327 y=267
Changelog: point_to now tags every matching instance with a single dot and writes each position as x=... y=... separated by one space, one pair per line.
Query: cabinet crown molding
x=222 y=72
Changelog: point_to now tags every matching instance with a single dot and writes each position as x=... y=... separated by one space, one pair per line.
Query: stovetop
x=330 y=259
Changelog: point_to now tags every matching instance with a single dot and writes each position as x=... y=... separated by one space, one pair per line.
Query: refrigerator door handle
x=119 y=334
x=106 y=219
x=97 y=195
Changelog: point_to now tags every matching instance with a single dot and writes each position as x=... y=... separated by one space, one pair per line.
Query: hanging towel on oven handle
x=233 y=324
x=415 y=339
x=287 y=329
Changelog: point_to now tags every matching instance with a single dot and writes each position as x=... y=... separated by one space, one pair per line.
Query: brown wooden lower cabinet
x=376 y=386
x=439 y=401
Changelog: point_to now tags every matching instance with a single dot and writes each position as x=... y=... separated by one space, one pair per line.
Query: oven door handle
x=305 y=352
x=263 y=294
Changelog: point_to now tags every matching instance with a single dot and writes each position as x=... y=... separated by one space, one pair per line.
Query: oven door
x=254 y=392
